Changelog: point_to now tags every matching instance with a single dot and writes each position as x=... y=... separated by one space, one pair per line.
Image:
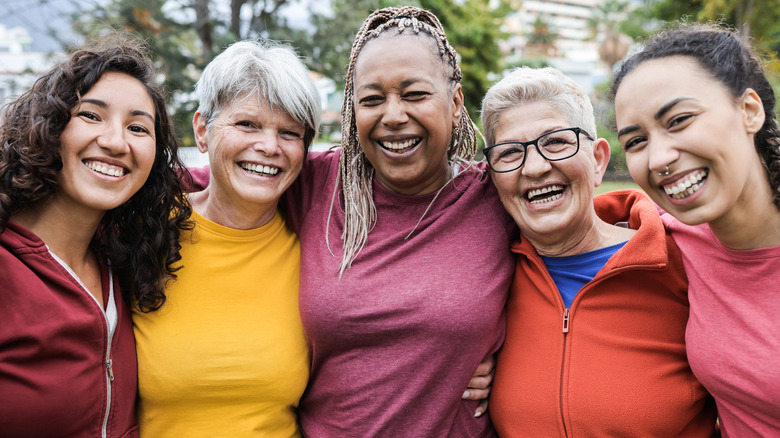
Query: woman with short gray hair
x=226 y=354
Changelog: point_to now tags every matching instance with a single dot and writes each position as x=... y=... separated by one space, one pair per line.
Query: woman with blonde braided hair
x=399 y=318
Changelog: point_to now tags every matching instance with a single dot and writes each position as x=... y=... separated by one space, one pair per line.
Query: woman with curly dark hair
x=90 y=204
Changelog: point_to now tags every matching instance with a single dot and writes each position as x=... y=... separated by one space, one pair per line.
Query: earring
x=665 y=172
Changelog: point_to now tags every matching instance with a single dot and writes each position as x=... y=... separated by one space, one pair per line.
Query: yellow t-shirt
x=226 y=354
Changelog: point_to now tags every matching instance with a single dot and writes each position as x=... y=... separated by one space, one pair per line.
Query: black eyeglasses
x=552 y=146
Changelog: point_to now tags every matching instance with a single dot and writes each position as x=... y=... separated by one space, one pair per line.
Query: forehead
x=527 y=121
x=121 y=88
x=407 y=49
x=659 y=78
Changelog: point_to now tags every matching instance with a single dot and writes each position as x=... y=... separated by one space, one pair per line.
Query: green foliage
x=474 y=29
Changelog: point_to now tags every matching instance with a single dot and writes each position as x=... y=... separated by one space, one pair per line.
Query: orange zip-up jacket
x=614 y=363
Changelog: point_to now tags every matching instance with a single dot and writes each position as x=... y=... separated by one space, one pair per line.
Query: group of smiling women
x=368 y=291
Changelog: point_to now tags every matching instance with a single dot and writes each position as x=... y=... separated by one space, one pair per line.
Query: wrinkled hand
x=480 y=385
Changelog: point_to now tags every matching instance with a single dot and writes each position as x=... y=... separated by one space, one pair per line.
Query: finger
x=480 y=382
x=486 y=366
x=476 y=394
x=481 y=408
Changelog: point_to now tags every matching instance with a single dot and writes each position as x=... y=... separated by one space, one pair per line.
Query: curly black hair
x=729 y=60
x=139 y=237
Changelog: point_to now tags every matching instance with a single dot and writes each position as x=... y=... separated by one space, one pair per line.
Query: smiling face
x=108 y=146
x=670 y=112
x=255 y=154
x=550 y=201
x=405 y=110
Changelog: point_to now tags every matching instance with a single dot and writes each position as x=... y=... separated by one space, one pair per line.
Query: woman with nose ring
x=695 y=114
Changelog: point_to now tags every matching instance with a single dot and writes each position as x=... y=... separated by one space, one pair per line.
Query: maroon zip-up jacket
x=55 y=374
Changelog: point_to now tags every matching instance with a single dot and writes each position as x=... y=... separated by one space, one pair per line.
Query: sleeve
x=198 y=178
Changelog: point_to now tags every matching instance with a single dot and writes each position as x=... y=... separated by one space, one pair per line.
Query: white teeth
x=687 y=186
x=259 y=168
x=401 y=144
x=544 y=190
x=105 y=169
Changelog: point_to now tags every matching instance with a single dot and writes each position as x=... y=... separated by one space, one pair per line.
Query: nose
x=113 y=138
x=395 y=112
x=266 y=142
x=661 y=153
x=535 y=164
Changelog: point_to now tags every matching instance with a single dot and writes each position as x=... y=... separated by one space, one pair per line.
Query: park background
x=583 y=38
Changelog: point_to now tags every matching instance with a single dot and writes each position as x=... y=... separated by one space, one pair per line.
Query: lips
x=105 y=168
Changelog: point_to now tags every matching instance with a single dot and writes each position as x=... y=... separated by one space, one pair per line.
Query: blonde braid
x=356 y=172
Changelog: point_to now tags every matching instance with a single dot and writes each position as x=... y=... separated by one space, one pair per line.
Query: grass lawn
x=608 y=186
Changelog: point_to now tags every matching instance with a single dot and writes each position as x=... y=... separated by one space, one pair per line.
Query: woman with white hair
x=596 y=316
x=226 y=354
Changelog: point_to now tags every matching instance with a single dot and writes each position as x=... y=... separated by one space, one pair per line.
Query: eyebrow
x=669 y=105
x=405 y=83
x=660 y=113
x=103 y=104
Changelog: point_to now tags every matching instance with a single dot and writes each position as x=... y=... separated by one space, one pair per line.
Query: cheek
x=637 y=167
x=508 y=187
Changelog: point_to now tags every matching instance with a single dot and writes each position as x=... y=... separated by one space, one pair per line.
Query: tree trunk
x=203 y=27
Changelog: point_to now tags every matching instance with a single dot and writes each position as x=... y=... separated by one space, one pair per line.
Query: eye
x=634 y=143
x=245 y=124
x=371 y=100
x=291 y=135
x=679 y=120
x=88 y=115
x=139 y=129
x=509 y=153
x=416 y=95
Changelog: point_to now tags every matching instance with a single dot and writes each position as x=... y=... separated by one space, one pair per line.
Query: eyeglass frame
x=535 y=143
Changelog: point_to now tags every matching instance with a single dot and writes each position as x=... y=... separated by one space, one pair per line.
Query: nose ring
x=665 y=172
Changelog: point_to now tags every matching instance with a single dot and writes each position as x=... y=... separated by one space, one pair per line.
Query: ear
x=601 y=154
x=753 y=108
x=199 y=128
x=457 y=105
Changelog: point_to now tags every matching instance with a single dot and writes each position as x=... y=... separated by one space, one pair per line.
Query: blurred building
x=19 y=66
x=559 y=32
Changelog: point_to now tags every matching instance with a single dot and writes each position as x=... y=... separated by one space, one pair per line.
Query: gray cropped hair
x=528 y=85
x=267 y=69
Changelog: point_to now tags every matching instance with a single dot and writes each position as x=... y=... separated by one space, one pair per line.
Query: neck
x=66 y=233
x=749 y=227
x=589 y=235
x=239 y=215
x=433 y=184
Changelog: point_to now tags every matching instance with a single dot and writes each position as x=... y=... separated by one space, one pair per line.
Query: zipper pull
x=566 y=320
x=110 y=370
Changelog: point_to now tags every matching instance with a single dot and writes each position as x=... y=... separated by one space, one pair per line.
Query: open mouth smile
x=400 y=146
x=259 y=169
x=687 y=186
x=545 y=194
x=105 y=169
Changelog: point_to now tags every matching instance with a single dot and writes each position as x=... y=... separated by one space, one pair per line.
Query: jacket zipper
x=565 y=329
x=109 y=369
x=563 y=366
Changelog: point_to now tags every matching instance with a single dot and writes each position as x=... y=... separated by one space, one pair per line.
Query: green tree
x=474 y=29
x=184 y=34
x=756 y=19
